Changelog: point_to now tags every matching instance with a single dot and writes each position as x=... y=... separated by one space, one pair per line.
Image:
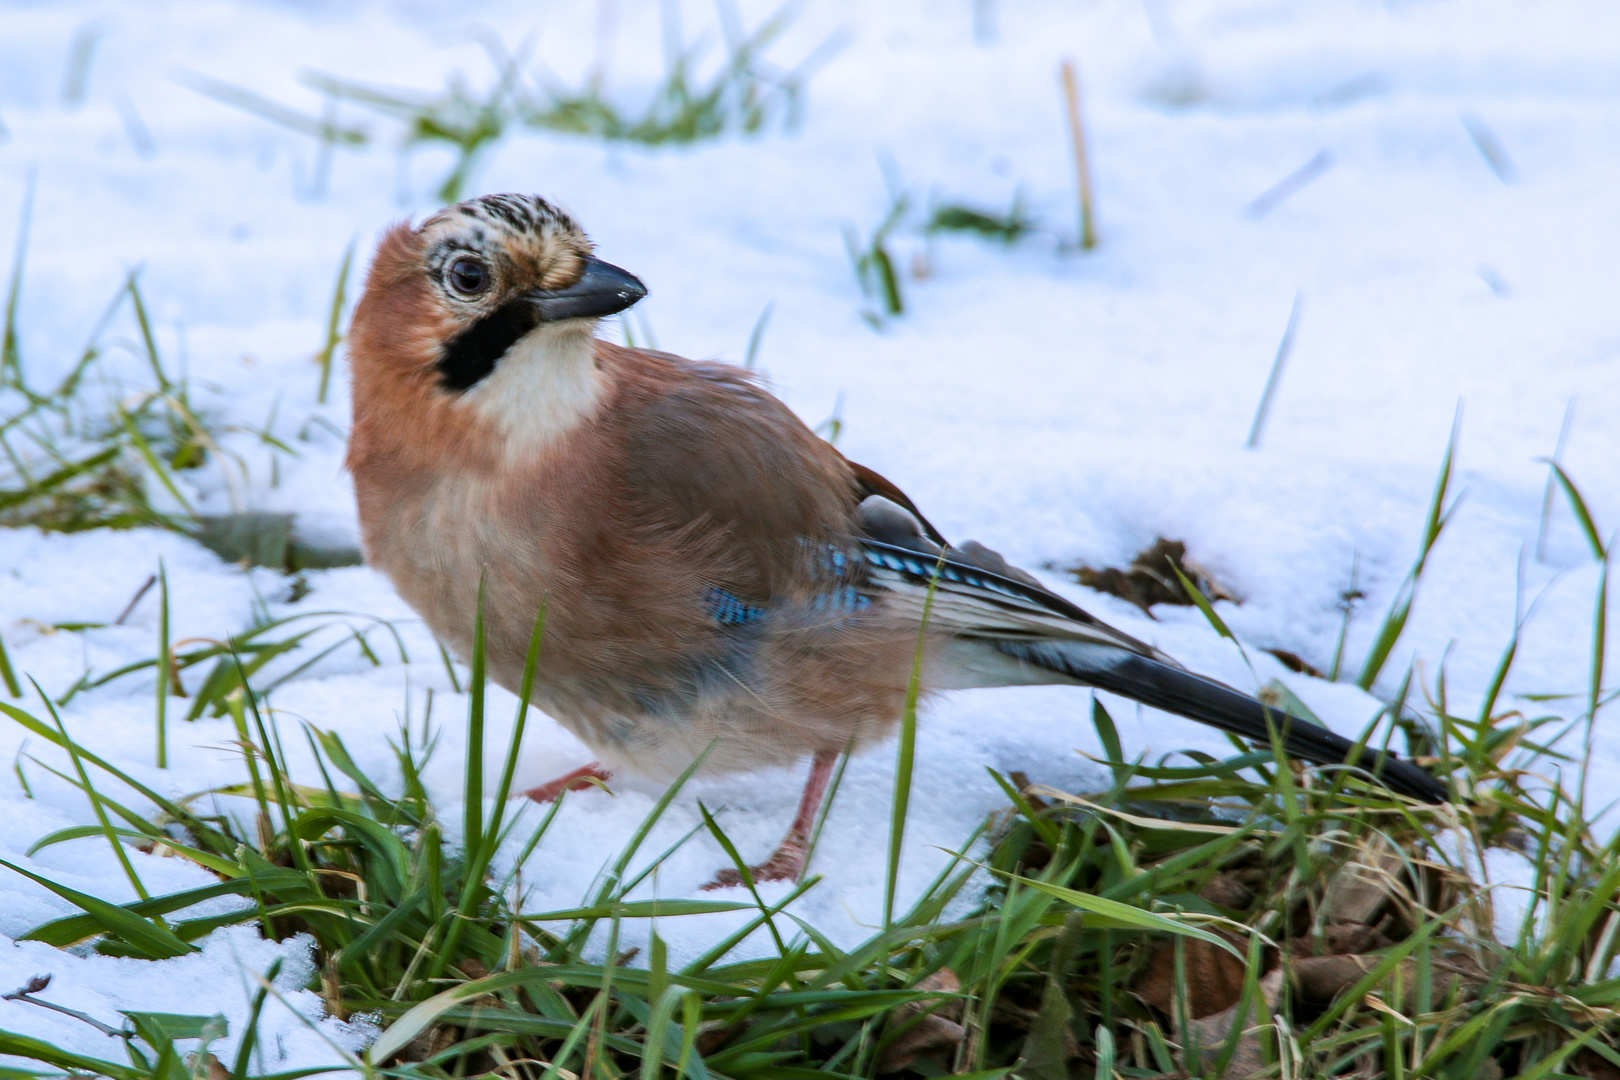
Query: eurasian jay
x=716 y=578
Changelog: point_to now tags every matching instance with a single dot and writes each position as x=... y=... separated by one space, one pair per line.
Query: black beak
x=603 y=289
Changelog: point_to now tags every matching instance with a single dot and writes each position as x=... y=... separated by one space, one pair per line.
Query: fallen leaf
x=1050 y=1044
x=1320 y=979
x=934 y=1033
x=1297 y=663
x=1150 y=579
x=1214 y=977
x=1226 y=891
x=1593 y=1066
x=436 y=1038
x=211 y=1068
x=1210 y=1034
x=1359 y=889
x=1341 y=938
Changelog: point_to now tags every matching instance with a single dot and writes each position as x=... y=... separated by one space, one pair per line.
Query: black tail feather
x=1181 y=692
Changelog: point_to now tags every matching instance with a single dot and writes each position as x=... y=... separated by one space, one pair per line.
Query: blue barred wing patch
x=728 y=609
x=841 y=597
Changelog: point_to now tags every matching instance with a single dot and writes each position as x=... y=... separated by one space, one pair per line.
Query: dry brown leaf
x=1150 y=579
x=212 y=1068
x=935 y=1033
x=1214 y=977
x=1226 y=891
x=1297 y=663
x=436 y=1038
x=1210 y=1034
x=1320 y=979
x=711 y=1039
x=1359 y=889
x=1593 y=1066
x=1341 y=938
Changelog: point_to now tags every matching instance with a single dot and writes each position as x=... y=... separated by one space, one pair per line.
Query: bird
x=717 y=581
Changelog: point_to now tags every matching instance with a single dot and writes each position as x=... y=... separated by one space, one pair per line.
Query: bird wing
x=712 y=456
x=970 y=601
x=791 y=523
x=1007 y=628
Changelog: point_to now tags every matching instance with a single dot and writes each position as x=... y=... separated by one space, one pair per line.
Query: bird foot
x=589 y=776
x=785 y=864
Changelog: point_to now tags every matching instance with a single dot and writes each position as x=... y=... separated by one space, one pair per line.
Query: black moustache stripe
x=472 y=354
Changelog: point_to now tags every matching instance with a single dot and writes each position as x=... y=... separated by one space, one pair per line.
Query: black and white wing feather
x=1008 y=629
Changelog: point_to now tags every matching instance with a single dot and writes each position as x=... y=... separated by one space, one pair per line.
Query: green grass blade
x=11 y=368
x=165 y=665
x=155 y=941
x=250 y=1033
x=1583 y=515
x=1401 y=607
x=906 y=754
x=334 y=323
x=26 y=1046
x=8 y=675
x=1196 y=595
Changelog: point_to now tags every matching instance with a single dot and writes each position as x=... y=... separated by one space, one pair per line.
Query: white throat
x=544 y=386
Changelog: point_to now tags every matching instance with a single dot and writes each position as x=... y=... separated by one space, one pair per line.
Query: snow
x=1062 y=407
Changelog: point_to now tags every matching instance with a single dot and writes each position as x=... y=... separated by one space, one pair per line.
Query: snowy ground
x=1061 y=407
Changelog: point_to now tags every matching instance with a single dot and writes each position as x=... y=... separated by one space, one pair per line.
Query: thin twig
x=1283 y=349
x=1082 y=163
x=39 y=982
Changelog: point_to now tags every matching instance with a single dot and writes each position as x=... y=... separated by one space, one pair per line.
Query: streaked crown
x=480 y=251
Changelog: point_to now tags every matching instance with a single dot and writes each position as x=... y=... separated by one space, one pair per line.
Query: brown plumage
x=715 y=577
x=682 y=474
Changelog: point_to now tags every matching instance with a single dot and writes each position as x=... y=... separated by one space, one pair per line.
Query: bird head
x=501 y=266
x=489 y=304
x=458 y=292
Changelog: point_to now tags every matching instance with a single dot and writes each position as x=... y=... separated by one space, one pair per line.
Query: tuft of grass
x=89 y=452
x=469 y=124
x=110 y=444
x=874 y=266
x=1007 y=227
x=745 y=94
x=742 y=94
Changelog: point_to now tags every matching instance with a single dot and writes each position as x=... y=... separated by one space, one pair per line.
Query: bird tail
x=1175 y=690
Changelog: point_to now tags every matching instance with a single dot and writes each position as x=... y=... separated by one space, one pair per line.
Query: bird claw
x=592 y=775
x=786 y=864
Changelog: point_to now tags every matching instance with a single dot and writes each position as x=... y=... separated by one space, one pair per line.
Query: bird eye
x=468 y=276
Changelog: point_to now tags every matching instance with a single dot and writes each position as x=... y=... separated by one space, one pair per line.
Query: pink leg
x=787 y=861
x=578 y=780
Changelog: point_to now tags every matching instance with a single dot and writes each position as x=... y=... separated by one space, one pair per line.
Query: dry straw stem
x=1082 y=161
